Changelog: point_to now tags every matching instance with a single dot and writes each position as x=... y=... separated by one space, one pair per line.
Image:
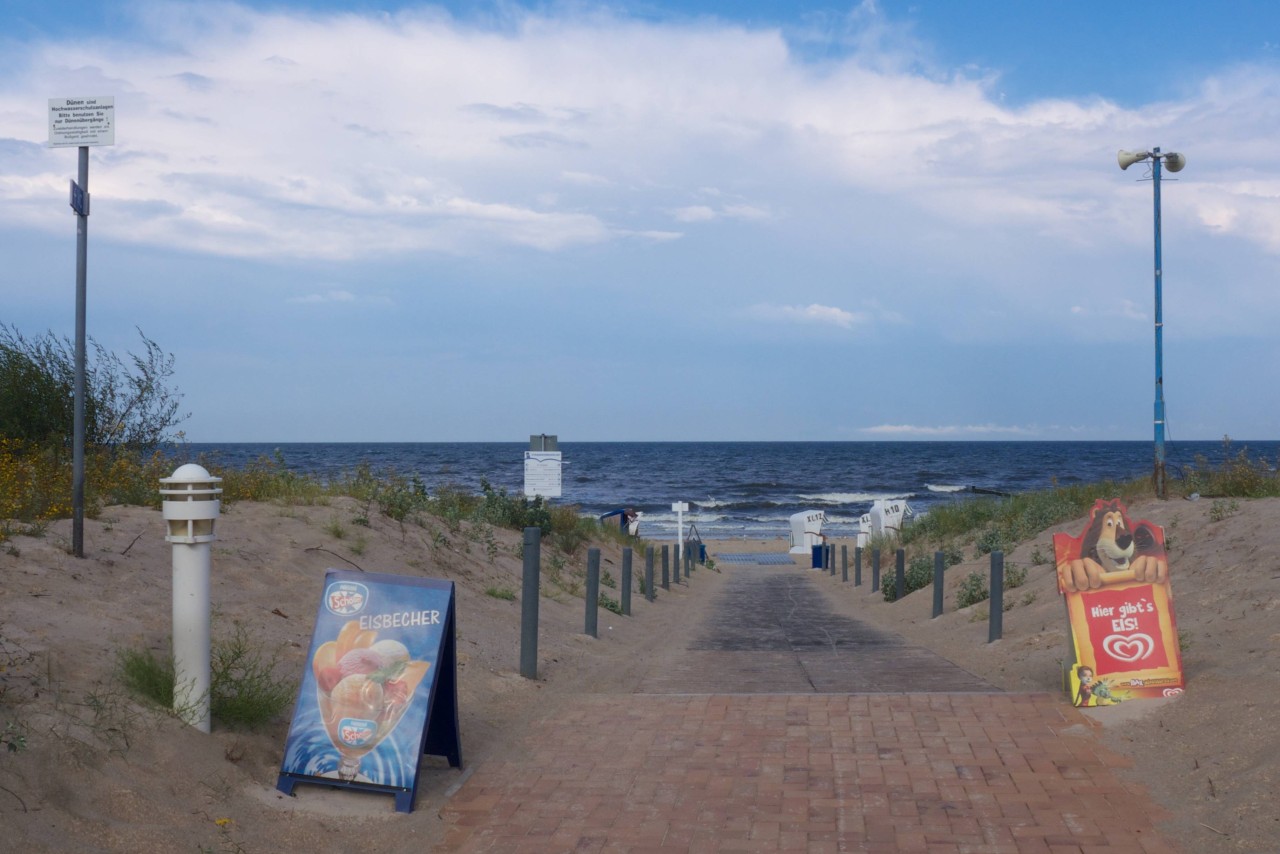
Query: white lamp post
x=191 y=508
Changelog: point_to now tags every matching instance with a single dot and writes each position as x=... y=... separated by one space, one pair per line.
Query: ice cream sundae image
x=364 y=686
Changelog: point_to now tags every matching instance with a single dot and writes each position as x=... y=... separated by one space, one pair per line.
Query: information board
x=82 y=121
x=542 y=473
x=1114 y=579
x=380 y=687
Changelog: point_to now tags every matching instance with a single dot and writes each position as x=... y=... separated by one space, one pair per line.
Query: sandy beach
x=100 y=772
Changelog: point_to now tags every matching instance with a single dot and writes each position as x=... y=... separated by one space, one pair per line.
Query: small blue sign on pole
x=380 y=689
x=79 y=199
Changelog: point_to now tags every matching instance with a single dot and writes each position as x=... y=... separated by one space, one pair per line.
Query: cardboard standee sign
x=1114 y=579
x=380 y=687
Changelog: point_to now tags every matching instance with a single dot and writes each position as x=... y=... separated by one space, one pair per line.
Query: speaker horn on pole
x=1128 y=158
x=1174 y=161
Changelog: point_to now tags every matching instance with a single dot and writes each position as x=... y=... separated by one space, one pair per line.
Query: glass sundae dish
x=363 y=686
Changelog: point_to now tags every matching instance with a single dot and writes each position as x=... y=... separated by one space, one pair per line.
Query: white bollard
x=191 y=508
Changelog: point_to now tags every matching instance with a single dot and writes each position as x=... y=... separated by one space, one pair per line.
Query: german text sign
x=380 y=686
x=1114 y=578
x=82 y=121
x=542 y=473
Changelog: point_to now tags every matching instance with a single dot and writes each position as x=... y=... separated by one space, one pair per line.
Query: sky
x=652 y=221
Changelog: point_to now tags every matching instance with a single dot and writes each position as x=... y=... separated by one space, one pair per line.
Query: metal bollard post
x=666 y=569
x=831 y=559
x=529 y=603
x=677 y=558
x=996 y=625
x=875 y=571
x=939 y=566
x=648 y=573
x=191 y=507
x=593 y=591
x=900 y=575
x=844 y=564
x=688 y=562
x=626 y=581
x=857 y=566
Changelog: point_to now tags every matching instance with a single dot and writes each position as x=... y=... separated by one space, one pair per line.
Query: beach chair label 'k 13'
x=1115 y=580
x=380 y=686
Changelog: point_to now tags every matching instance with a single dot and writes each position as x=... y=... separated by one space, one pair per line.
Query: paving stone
x=786 y=727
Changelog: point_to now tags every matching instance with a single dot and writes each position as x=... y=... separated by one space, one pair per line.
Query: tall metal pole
x=1158 y=473
x=77 y=430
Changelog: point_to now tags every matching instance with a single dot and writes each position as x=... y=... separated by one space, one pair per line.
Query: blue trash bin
x=817 y=558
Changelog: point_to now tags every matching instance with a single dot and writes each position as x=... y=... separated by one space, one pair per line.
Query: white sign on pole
x=82 y=121
x=542 y=473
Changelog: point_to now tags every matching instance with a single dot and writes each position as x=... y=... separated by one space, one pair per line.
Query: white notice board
x=82 y=121
x=542 y=473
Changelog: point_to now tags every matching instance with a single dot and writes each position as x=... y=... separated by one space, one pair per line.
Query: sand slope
x=102 y=773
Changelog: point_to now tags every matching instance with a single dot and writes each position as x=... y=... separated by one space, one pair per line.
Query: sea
x=746 y=489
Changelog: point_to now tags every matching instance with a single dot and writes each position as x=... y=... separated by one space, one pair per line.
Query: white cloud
x=338 y=296
x=276 y=134
x=694 y=213
x=584 y=179
x=951 y=430
x=816 y=314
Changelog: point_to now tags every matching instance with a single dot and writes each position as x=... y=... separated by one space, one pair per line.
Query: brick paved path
x=773 y=734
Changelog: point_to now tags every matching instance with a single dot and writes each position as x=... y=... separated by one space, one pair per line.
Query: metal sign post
x=680 y=508
x=80 y=123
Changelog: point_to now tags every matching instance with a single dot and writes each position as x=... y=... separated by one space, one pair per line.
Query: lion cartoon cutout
x=1114 y=579
x=1111 y=550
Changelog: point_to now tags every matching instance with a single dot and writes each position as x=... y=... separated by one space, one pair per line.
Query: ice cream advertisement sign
x=380 y=686
x=1114 y=578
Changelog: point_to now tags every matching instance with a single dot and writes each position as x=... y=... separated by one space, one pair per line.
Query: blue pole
x=1158 y=473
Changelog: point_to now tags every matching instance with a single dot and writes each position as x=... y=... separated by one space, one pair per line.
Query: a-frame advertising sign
x=380 y=688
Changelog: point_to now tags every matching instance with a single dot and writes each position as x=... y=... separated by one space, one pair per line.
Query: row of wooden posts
x=995 y=630
x=533 y=571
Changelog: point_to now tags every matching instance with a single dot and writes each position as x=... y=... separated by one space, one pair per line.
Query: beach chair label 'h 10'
x=379 y=689
x=1114 y=578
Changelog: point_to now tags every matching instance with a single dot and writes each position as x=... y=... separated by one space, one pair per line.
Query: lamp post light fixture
x=1174 y=162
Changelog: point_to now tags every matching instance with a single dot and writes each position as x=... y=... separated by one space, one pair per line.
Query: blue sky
x=653 y=221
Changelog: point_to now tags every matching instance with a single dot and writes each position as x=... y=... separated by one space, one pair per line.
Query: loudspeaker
x=1128 y=158
x=1174 y=161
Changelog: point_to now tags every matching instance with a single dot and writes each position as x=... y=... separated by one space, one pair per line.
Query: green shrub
x=1222 y=508
x=990 y=540
x=1238 y=475
x=1014 y=576
x=147 y=676
x=918 y=575
x=126 y=405
x=243 y=688
x=516 y=512
x=609 y=604
x=972 y=590
x=503 y=593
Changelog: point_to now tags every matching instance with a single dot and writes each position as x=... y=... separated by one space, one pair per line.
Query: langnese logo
x=345 y=598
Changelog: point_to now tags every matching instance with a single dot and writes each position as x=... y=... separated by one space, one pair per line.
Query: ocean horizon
x=745 y=488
